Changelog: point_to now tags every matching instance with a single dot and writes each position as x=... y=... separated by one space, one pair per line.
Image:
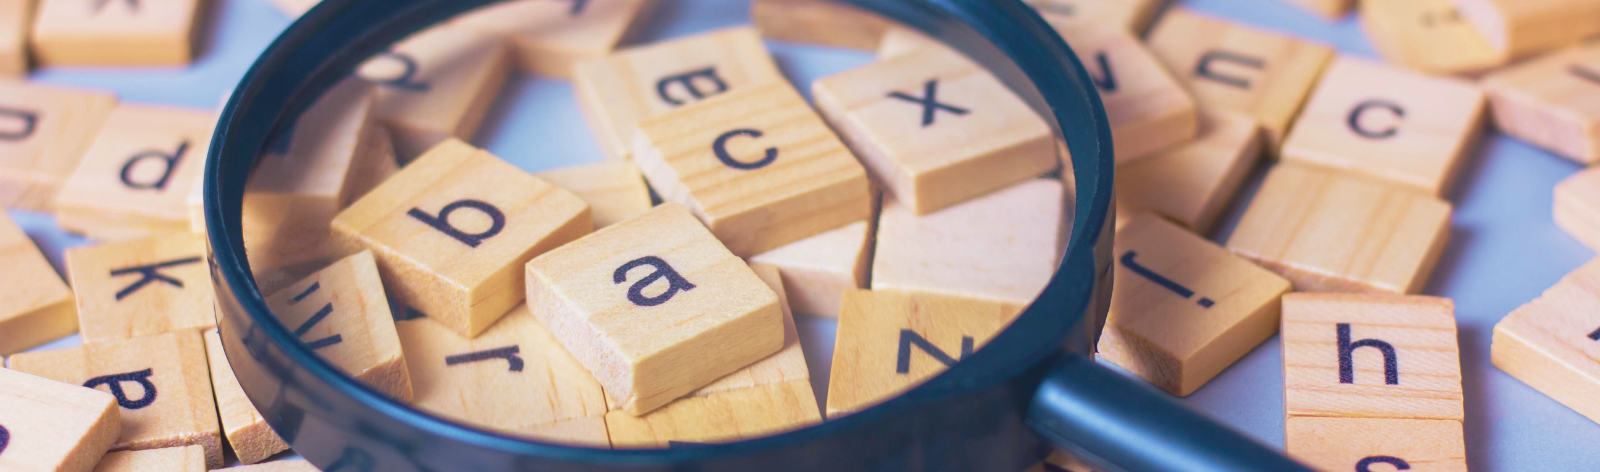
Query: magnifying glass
x=1032 y=387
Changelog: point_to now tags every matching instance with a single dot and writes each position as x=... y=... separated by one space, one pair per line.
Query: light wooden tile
x=1370 y=356
x=900 y=41
x=1553 y=343
x=247 y=432
x=816 y=271
x=341 y=312
x=934 y=128
x=757 y=166
x=1228 y=66
x=1148 y=110
x=788 y=364
x=1002 y=247
x=452 y=230
x=1134 y=16
x=295 y=8
x=16 y=19
x=1399 y=126
x=1328 y=9
x=1193 y=183
x=1427 y=35
x=1523 y=27
x=135 y=178
x=172 y=459
x=1551 y=102
x=160 y=382
x=1333 y=233
x=1577 y=206
x=548 y=37
x=36 y=306
x=655 y=307
x=50 y=426
x=1377 y=444
x=297 y=465
x=437 y=84
x=1058 y=462
x=615 y=190
x=819 y=22
x=117 y=32
x=514 y=378
x=881 y=332
x=1183 y=308
x=43 y=136
x=721 y=417
x=141 y=287
x=641 y=82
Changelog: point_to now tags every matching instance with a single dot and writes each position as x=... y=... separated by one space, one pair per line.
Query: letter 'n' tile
x=655 y=307
x=135 y=179
x=451 y=231
x=1370 y=356
x=141 y=287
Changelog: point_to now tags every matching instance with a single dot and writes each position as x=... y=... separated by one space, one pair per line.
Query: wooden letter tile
x=636 y=83
x=435 y=85
x=935 y=128
x=1522 y=27
x=160 y=382
x=1228 y=66
x=1548 y=102
x=1193 y=183
x=890 y=341
x=1377 y=444
x=1133 y=16
x=172 y=459
x=1370 y=356
x=1148 y=109
x=1333 y=233
x=452 y=230
x=615 y=190
x=341 y=313
x=16 y=18
x=36 y=306
x=1001 y=247
x=1427 y=35
x=1553 y=342
x=819 y=22
x=900 y=41
x=135 y=179
x=655 y=307
x=757 y=166
x=116 y=32
x=1577 y=206
x=816 y=271
x=252 y=440
x=1391 y=124
x=514 y=378
x=548 y=37
x=1329 y=9
x=51 y=426
x=1183 y=308
x=142 y=287
x=44 y=132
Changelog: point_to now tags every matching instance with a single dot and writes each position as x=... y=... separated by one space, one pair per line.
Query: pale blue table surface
x=1504 y=249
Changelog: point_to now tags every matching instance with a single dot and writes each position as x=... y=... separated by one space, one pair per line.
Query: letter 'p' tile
x=1370 y=356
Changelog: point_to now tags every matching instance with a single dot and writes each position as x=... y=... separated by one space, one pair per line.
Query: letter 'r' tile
x=1370 y=356
x=142 y=287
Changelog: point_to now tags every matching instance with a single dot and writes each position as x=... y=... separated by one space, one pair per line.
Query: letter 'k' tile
x=141 y=287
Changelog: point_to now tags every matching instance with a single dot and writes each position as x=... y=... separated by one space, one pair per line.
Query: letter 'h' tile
x=1370 y=356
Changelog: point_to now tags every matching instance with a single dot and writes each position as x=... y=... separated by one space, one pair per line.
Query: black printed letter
x=1203 y=68
x=910 y=338
x=151 y=273
x=115 y=383
x=132 y=4
x=1595 y=336
x=5 y=438
x=1366 y=464
x=315 y=318
x=30 y=121
x=442 y=222
x=1107 y=80
x=171 y=161
x=407 y=74
x=509 y=353
x=1347 y=369
x=687 y=79
x=1585 y=74
x=930 y=102
x=1354 y=120
x=636 y=295
x=720 y=147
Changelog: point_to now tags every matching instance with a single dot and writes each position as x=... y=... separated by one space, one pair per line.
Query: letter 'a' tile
x=135 y=179
x=655 y=307
x=247 y=432
x=816 y=271
x=172 y=459
x=1553 y=342
x=1548 y=101
x=1522 y=27
x=513 y=378
x=935 y=128
x=819 y=22
x=116 y=32
x=51 y=426
x=1370 y=356
x=615 y=190
x=1390 y=124
x=1133 y=16
x=142 y=287
x=435 y=85
x=1192 y=183
x=342 y=313
x=36 y=306
x=1335 y=233
x=548 y=37
x=1428 y=36
x=44 y=132
x=160 y=382
x=644 y=81
x=1149 y=110
x=1374 y=444
x=452 y=230
x=757 y=166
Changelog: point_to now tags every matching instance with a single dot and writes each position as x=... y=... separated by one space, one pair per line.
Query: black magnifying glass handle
x=1118 y=425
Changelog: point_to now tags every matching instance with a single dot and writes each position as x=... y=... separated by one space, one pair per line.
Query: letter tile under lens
x=341 y=313
x=172 y=459
x=1523 y=27
x=548 y=37
x=1553 y=342
x=615 y=190
x=48 y=425
x=452 y=230
x=1149 y=111
x=655 y=307
x=1373 y=120
x=890 y=341
x=160 y=382
x=1370 y=356
x=1183 y=308
x=247 y=432
x=1232 y=67
x=757 y=166
x=1335 y=233
x=1192 y=183
x=641 y=82
x=935 y=128
x=36 y=306
x=816 y=271
x=1134 y=16
x=42 y=139
x=1377 y=444
x=435 y=85
x=135 y=179
x=1544 y=101
x=819 y=22
x=515 y=378
x=142 y=287
x=1427 y=36
x=116 y=32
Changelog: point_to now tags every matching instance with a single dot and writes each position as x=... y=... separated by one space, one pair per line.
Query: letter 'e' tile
x=142 y=287
x=134 y=181
x=1553 y=342
x=46 y=425
x=1370 y=356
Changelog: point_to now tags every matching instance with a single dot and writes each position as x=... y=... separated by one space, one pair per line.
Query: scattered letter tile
x=117 y=32
x=1376 y=444
x=615 y=190
x=46 y=425
x=36 y=306
x=435 y=85
x=341 y=313
x=44 y=132
x=548 y=37
x=135 y=179
x=1193 y=183
x=142 y=287
x=1370 y=356
x=1553 y=343
x=252 y=440
x=1548 y=101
